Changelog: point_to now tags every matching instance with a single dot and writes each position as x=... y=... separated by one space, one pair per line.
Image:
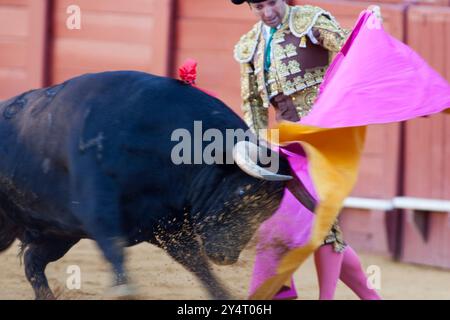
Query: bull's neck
x=203 y=186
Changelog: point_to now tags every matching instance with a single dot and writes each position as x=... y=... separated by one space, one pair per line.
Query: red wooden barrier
x=114 y=35
x=22 y=45
x=427 y=238
x=415 y=2
x=427 y=169
x=346 y=12
x=427 y=165
x=207 y=31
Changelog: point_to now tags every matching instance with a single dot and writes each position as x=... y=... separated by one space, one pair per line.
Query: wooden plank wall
x=114 y=35
x=22 y=45
x=441 y=3
x=427 y=159
x=208 y=31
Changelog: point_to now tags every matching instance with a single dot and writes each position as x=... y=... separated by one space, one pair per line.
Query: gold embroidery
x=299 y=84
x=304 y=100
x=245 y=48
x=290 y=50
x=324 y=22
x=260 y=75
x=303 y=42
x=310 y=97
x=283 y=69
x=278 y=39
x=303 y=18
x=329 y=34
x=278 y=52
x=289 y=88
x=307 y=14
x=310 y=78
x=273 y=90
x=294 y=67
x=336 y=238
x=255 y=115
x=285 y=74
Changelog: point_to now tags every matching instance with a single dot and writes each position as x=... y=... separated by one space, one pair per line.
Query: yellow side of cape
x=333 y=159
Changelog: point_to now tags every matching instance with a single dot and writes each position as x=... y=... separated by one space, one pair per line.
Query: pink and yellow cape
x=375 y=79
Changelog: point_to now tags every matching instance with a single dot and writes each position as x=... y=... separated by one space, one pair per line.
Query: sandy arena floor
x=158 y=277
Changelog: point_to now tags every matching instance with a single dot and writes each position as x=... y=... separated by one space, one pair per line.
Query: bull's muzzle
x=221 y=258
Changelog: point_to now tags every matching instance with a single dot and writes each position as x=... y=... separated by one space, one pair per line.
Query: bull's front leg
x=37 y=257
x=186 y=250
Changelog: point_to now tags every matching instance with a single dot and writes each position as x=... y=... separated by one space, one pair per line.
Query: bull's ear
x=298 y=189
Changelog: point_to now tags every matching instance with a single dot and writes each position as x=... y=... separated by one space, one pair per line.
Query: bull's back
x=123 y=119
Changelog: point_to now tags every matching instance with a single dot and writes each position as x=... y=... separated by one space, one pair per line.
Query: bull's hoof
x=221 y=295
x=123 y=292
x=45 y=297
x=44 y=294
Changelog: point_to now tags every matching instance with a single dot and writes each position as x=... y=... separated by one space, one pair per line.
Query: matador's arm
x=331 y=36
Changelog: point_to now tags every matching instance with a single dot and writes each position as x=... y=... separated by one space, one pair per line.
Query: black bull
x=91 y=158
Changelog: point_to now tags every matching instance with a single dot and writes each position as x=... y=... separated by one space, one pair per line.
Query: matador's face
x=270 y=12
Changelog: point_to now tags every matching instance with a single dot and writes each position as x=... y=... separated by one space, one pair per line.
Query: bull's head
x=252 y=195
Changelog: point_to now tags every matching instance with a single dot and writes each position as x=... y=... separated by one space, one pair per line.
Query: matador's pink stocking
x=352 y=274
x=328 y=267
x=345 y=266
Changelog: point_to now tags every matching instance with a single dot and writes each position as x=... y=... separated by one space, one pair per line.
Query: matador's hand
x=376 y=11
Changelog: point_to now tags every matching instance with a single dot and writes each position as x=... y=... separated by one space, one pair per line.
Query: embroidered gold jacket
x=302 y=49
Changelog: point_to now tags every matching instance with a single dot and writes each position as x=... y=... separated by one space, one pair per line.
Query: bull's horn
x=243 y=154
x=299 y=191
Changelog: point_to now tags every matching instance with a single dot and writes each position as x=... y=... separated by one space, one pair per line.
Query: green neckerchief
x=267 y=60
x=267 y=54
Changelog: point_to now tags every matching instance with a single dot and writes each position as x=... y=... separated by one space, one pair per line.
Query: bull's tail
x=8 y=232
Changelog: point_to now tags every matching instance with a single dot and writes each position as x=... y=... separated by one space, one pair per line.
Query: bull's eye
x=241 y=192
